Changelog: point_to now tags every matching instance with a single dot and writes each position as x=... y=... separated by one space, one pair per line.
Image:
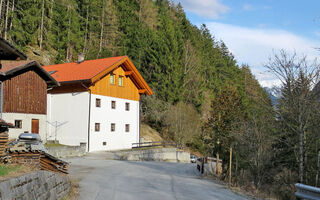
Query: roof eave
x=15 y=53
x=76 y=81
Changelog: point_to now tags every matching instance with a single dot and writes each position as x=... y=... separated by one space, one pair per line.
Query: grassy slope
x=149 y=134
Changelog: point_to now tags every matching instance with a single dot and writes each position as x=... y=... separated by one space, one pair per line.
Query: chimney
x=81 y=58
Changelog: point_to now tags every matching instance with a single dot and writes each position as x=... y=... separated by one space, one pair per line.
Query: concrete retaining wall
x=160 y=154
x=40 y=185
x=67 y=151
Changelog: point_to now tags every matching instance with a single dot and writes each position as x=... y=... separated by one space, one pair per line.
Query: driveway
x=102 y=179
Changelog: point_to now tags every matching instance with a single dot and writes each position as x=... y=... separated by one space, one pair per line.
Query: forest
x=203 y=100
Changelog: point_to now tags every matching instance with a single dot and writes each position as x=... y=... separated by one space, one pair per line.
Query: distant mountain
x=274 y=94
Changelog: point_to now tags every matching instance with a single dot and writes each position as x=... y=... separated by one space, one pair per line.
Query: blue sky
x=254 y=29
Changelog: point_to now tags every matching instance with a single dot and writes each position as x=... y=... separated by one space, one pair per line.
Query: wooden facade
x=105 y=88
x=25 y=93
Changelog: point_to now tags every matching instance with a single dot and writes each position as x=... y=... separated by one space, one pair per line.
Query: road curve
x=126 y=180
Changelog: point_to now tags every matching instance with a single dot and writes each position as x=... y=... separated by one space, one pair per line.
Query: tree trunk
x=41 y=25
x=1 y=4
x=6 y=21
x=301 y=157
x=69 y=27
x=86 y=31
x=12 y=10
x=102 y=27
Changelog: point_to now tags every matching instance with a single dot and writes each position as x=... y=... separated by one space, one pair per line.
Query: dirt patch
x=149 y=134
x=74 y=191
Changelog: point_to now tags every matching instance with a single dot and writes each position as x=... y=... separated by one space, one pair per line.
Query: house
x=97 y=103
x=23 y=91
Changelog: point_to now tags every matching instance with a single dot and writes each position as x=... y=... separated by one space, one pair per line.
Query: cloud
x=247 y=7
x=254 y=46
x=210 y=9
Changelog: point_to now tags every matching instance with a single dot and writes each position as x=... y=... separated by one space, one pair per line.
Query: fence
x=154 y=144
x=307 y=192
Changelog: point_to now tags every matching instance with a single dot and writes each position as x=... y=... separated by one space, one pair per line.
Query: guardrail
x=307 y=192
x=154 y=144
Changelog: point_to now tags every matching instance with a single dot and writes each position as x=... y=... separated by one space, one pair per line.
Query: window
x=113 y=127
x=104 y=143
x=127 y=106
x=112 y=79
x=113 y=104
x=127 y=127
x=97 y=127
x=18 y=123
x=98 y=102
x=120 y=80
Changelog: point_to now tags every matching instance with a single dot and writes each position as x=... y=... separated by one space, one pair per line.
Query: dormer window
x=120 y=80
x=112 y=79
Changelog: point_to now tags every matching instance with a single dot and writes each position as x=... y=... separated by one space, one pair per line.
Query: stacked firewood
x=23 y=154
x=3 y=143
x=51 y=163
x=26 y=158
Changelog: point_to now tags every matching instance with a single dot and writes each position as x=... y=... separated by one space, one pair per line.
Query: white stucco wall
x=119 y=139
x=71 y=110
x=26 y=123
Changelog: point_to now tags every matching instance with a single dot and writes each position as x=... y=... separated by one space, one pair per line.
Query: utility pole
x=230 y=166
x=318 y=162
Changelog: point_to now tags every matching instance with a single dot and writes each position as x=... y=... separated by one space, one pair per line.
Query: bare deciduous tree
x=298 y=104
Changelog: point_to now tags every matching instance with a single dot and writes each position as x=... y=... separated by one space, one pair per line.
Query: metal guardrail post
x=307 y=192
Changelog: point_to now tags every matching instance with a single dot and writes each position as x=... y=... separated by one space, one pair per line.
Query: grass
x=53 y=145
x=6 y=169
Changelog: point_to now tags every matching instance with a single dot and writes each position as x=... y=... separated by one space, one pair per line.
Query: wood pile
x=51 y=163
x=3 y=143
x=38 y=159
x=25 y=157
x=30 y=155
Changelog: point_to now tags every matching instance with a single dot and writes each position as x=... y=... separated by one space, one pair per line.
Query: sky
x=254 y=30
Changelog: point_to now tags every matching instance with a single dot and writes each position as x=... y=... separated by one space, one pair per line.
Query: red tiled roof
x=82 y=71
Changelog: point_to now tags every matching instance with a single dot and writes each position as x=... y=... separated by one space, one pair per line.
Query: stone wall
x=65 y=151
x=40 y=185
x=157 y=154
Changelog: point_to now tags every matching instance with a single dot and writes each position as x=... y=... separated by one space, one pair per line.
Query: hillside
x=203 y=100
x=193 y=75
x=147 y=134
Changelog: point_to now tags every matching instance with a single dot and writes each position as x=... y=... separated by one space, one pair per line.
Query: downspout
x=1 y=104
x=89 y=114
x=1 y=93
x=89 y=119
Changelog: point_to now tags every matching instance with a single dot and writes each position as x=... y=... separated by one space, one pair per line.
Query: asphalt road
x=101 y=179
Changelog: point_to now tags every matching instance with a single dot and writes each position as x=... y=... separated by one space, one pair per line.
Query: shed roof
x=9 y=52
x=93 y=70
x=12 y=69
